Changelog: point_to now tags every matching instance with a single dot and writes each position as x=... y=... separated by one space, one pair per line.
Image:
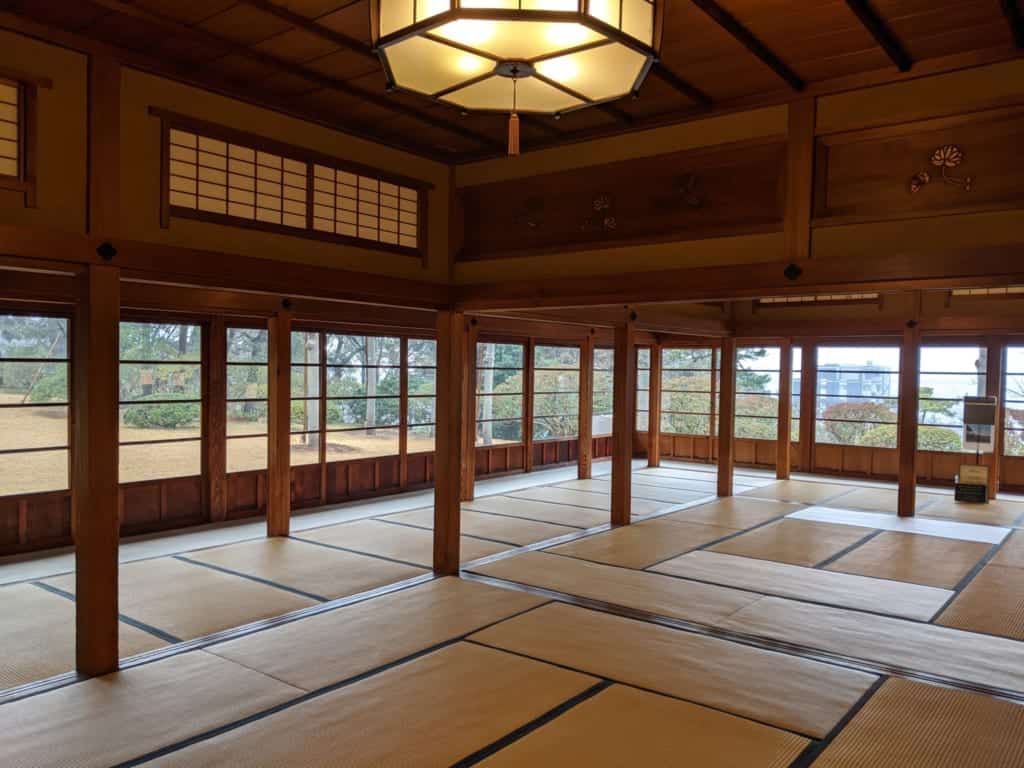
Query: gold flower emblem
x=949 y=156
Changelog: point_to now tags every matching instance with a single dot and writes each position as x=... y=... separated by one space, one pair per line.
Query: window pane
x=686 y=381
x=422 y=352
x=686 y=384
x=154 y=462
x=757 y=405
x=247 y=382
x=687 y=359
x=490 y=407
x=362 y=382
x=643 y=358
x=160 y=341
x=499 y=382
x=343 y=349
x=247 y=418
x=556 y=427
x=556 y=357
x=33 y=472
x=501 y=355
x=372 y=412
x=246 y=454
x=757 y=428
x=305 y=449
x=421 y=439
x=683 y=423
x=247 y=345
x=305 y=348
x=159 y=421
x=29 y=383
x=422 y=381
x=361 y=444
x=857 y=396
x=556 y=405
x=422 y=410
x=499 y=432
x=556 y=381
x=164 y=381
x=305 y=415
x=32 y=336
x=305 y=381
x=32 y=427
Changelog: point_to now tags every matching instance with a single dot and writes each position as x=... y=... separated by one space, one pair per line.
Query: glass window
x=857 y=396
x=1013 y=394
x=947 y=375
x=556 y=392
x=602 y=386
x=757 y=392
x=34 y=402
x=160 y=394
x=643 y=389
x=10 y=129
x=686 y=391
x=306 y=371
x=246 y=399
x=421 y=412
x=499 y=393
x=794 y=421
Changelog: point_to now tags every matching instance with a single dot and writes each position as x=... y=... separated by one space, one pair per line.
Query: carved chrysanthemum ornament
x=944 y=158
x=949 y=156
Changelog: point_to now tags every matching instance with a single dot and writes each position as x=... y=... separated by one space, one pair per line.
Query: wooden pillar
x=528 y=406
x=94 y=480
x=469 y=417
x=910 y=363
x=279 y=425
x=585 y=455
x=215 y=416
x=784 y=441
x=808 y=402
x=452 y=386
x=104 y=165
x=654 y=408
x=403 y=413
x=799 y=179
x=623 y=419
x=994 y=388
x=726 y=416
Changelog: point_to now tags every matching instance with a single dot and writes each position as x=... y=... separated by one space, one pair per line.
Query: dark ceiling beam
x=730 y=24
x=690 y=91
x=883 y=35
x=1015 y=18
x=283 y=65
x=616 y=113
x=314 y=28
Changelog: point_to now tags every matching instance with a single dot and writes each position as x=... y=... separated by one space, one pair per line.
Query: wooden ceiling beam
x=1015 y=18
x=883 y=35
x=283 y=65
x=313 y=27
x=687 y=89
x=751 y=42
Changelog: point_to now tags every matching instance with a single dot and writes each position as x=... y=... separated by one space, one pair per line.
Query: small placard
x=973 y=474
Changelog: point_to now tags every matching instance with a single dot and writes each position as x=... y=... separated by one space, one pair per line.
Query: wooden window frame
x=28 y=146
x=539 y=342
x=594 y=391
x=229 y=400
x=406 y=424
x=172 y=120
x=525 y=394
x=713 y=372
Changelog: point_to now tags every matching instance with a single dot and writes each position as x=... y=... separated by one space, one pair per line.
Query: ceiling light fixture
x=544 y=57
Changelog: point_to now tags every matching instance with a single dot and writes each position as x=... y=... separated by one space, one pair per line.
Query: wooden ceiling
x=312 y=58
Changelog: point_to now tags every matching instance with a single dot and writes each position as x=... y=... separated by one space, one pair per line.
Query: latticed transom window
x=361 y=206
x=219 y=177
x=10 y=129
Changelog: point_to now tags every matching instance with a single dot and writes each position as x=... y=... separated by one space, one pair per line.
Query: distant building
x=838 y=379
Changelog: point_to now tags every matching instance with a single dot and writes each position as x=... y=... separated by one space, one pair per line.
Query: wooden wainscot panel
x=36 y=521
x=184 y=500
x=10 y=514
x=745 y=451
x=724 y=190
x=885 y=463
x=828 y=457
x=936 y=167
x=421 y=469
x=247 y=494
x=140 y=505
x=306 y=485
x=1011 y=474
x=857 y=460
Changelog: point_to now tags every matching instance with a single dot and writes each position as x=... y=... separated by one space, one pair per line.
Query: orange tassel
x=513 y=134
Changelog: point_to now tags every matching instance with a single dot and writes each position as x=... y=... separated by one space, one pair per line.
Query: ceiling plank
x=730 y=24
x=310 y=25
x=690 y=91
x=883 y=35
x=1011 y=9
x=269 y=60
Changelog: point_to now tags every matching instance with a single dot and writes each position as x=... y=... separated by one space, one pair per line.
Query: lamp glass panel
x=638 y=20
x=597 y=73
x=606 y=11
x=551 y=5
x=495 y=93
x=427 y=8
x=395 y=15
x=428 y=67
x=502 y=4
x=516 y=39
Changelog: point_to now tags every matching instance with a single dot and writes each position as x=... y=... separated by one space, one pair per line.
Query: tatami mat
x=800 y=491
x=930 y=560
x=633 y=589
x=530 y=509
x=793 y=541
x=785 y=691
x=949 y=529
x=189 y=600
x=111 y=719
x=340 y=644
x=660 y=731
x=432 y=711
x=996 y=512
x=513 y=530
x=37 y=635
x=978 y=659
x=736 y=512
x=878 y=499
x=912 y=725
x=703 y=484
x=992 y=603
x=669 y=496
x=891 y=597
x=1012 y=552
x=601 y=501
x=319 y=571
x=398 y=542
x=642 y=544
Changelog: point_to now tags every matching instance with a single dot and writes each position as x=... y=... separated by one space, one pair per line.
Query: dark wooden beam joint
x=730 y=24
x=1014 y=17
x=883 y=35
x=690 y=91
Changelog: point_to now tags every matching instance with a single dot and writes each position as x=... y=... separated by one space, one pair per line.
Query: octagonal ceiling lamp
x=536 y=56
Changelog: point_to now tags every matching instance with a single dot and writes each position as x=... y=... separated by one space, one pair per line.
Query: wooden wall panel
x=140 y=505
x=720 y=191
x=246 y=494
x=305 y=482
x=183 y=500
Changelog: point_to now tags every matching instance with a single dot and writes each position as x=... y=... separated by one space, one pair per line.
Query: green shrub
x=53 y=387
x=163 y=415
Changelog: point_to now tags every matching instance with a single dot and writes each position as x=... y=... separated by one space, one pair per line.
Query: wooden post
x=910 y=364
x=452 y=386
x=215 y=416
x=94 y=481
x=528 y=406
x=623 y=419
x=808 y=402
x=654 y=408
x=279 y=425
x=469 y=417
x=726 y=416
x=994 y=388
x=403 y=413
x=585 y=455
x=799 y=179
x=104 y=124
x=784 y=442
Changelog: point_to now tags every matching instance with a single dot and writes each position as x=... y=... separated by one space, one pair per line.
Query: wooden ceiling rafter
x=751 y=42
x=271 y=61
x=1015 y=18
x=883 y=35
x=313 y=27
x=686 y=88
